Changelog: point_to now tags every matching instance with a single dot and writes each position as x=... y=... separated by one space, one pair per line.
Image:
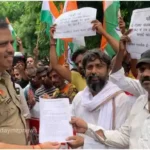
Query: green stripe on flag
x=47 y=17
x=111 y=19
x=60 y=48
x=14 y=37
x=15 y=40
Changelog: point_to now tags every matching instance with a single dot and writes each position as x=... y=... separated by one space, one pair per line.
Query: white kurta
x=135 y=132
x=123 y=107
x=127 y=84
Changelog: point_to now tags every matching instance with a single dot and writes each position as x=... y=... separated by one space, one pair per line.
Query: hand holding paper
x=141 y=33
x=75 y=141
x=98 y=27
x=79 y=125
x=48 y=145
x=124 y=40
x=52 y=30
x=54 y=120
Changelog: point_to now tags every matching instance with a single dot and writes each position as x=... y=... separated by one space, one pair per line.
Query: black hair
x=19 y=58
x=29 y=57
x=3 y=24
x=91 y=55
x=78 y=52
x=74 y=69
x=43 y=68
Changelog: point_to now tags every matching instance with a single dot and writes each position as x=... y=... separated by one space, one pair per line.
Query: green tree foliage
x=128 y=6
x=25 y=19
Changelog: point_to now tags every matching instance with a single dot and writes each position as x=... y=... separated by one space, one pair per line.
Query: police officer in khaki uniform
x=12 y=122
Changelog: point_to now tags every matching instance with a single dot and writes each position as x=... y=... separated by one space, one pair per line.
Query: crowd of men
x=109 y=96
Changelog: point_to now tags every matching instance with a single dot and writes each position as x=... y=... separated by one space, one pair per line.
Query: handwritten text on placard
x=75 y=23
x=140 y=35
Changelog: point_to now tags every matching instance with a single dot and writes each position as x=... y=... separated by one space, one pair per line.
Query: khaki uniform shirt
x=12 y=122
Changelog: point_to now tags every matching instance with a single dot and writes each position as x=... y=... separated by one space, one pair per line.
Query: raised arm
x=122 y=50
x=100 y=30
x=122 y=25
x=20 y=46
x=36 y=54
x=117 y=75
x=63 y=71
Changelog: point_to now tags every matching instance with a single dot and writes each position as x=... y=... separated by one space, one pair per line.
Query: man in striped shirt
x=47 y=86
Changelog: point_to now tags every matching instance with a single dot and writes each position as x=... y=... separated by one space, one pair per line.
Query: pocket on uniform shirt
x=7 y=109
x=3 y=109
x=4 y=114
x=2 y=99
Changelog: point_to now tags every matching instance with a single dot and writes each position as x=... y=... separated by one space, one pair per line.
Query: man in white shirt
x=118 y=77
x=101 y=102
x=135 y=132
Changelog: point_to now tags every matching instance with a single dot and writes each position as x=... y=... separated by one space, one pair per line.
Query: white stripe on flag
x=45 y=5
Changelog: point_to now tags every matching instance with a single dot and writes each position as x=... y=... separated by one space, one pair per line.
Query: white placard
x=54 y=120
x=140 y=35
x=75 y=23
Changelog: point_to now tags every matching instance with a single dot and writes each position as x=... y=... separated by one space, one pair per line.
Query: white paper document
x=75 y=23
x=140 y=35
x=54 y=120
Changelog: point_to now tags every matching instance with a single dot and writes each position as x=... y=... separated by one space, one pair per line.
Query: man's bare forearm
x=118 y=62
x=61 y=70
x=112 y=41
x=11 y=146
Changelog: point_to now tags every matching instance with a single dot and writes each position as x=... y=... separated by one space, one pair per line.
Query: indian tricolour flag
x=110 y=23
x=13 y=34
x=49 y=13
x=74 y=43
x=69 y=6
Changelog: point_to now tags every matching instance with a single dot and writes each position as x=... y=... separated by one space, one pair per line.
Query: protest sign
x=140 y=35
x=75 y=23
x=54 y=120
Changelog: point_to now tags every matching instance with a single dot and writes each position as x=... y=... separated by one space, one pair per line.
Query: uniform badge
x=2 y=94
